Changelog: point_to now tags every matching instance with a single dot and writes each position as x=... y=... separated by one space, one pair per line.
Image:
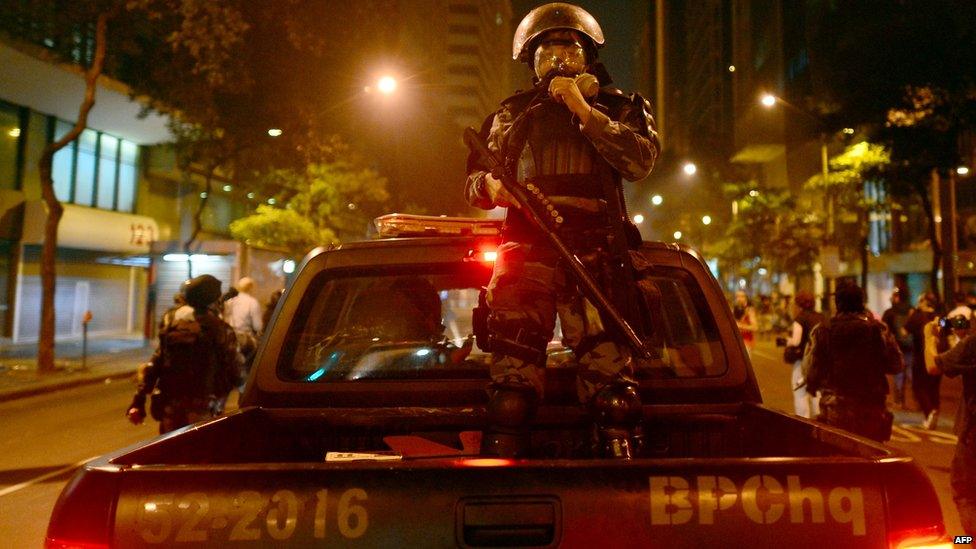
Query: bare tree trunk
x=198 y=216
x=45 y=343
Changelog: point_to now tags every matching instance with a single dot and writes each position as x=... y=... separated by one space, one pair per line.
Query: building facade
x=127 y=209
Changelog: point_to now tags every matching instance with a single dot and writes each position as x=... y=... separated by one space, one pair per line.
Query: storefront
x=102 y=267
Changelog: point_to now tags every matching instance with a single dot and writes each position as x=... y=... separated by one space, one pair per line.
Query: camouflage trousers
x=180 y=413
x=870 y=420
x=529 y=288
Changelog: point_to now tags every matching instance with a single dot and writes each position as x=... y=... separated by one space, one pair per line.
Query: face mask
x=562 y=56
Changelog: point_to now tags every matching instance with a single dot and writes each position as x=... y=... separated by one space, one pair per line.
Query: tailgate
x=478 y=502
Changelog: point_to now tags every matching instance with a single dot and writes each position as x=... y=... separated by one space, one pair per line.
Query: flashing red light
x=489 y=256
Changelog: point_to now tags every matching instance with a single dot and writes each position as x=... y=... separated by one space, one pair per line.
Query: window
x=108 y=162
x=9 y=141
x=96 y=170
x=63 y=166
x=85 y=168
x=128 y=177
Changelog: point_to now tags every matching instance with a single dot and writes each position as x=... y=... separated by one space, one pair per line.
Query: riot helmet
x=202 y=291
x=555 y=16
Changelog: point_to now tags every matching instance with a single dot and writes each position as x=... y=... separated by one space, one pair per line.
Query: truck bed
x=713 y=474
x=279 y=436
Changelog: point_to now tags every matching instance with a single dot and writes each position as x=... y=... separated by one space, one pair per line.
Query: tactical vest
x=857 y=353
x=547 y=148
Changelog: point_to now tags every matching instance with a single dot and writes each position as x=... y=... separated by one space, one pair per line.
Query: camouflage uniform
x=195 y=389
x=579 y=168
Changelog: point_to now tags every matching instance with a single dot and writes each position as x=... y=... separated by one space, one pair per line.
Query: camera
x=958 y=322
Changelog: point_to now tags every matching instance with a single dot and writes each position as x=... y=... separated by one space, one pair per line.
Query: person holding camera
x=805 y=319
x=848 y=362
x=960 y=360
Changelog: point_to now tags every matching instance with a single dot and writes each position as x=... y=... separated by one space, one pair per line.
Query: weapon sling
x=586 y=282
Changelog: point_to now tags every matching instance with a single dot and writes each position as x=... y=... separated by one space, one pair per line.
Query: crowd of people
x=841 y=367
x=207 y=341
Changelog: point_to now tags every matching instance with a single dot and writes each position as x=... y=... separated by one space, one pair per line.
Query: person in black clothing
x=925 y=387
x=895 y=318
x=847 y=361
x=805 y=403
x=195 y=365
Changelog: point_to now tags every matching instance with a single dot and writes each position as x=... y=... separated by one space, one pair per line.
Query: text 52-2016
x=249 y=515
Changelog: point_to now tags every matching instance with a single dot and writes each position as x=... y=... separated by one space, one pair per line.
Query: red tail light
x=914 y=513
x=83 y=516
x=52 y=543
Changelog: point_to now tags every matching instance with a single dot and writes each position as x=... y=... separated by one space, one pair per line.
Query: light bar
x=401 y=225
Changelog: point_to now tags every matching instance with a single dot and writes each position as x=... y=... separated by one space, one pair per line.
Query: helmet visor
x=559 y=53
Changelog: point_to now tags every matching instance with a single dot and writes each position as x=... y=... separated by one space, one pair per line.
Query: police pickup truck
x=362 y=418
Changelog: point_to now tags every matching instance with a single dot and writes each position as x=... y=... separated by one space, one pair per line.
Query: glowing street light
x=962 y=170
x=768 y=99
x=657 y=200
x=274 y=132
x=386 y=85
x=677 y=235
x=706 y=220
x=638 y=219
x=690 y=168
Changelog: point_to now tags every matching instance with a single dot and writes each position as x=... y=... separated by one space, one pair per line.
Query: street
x=50 y=435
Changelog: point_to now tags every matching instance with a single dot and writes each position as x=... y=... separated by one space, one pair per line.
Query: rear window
x=416 y=323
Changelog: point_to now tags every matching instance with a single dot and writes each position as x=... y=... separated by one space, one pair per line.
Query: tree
x=857 y=189
x=906 y=69
x=323 y=205
x=45 y=342
x=767 y=231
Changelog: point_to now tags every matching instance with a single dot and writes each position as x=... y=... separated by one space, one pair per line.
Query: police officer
x=574 y=141
x=195 y=365
x=847 y=361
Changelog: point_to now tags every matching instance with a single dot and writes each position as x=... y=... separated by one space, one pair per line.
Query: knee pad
x=511 y=407
x=617 y=405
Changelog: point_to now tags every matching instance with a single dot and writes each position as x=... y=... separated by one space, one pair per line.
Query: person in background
x=847 y=361
x=925 y=387
x=805 y=403
x=195 y=365
x=961 y=361
x=179 y=310
x=270 y=306
x=895 y=317
x=243 y=313
x=960 y=303
x=745 y=319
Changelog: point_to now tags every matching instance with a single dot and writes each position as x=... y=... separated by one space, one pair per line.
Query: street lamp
x=689 y=168
x=962 y=170
x=677 y=235
x=706 y=220
x=638 y=219
x=768 y=100
x=386 y=85
x=657 y=200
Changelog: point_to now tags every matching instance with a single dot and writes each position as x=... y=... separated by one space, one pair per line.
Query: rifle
x=583 y=278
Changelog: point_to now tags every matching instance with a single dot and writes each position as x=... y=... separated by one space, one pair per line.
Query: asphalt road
x=46 y=437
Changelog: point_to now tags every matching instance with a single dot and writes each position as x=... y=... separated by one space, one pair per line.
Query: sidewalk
x=108 y=358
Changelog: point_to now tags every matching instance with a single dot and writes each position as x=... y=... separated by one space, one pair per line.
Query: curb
x=67 y=384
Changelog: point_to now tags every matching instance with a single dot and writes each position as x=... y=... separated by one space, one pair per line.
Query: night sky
x=621 y=24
